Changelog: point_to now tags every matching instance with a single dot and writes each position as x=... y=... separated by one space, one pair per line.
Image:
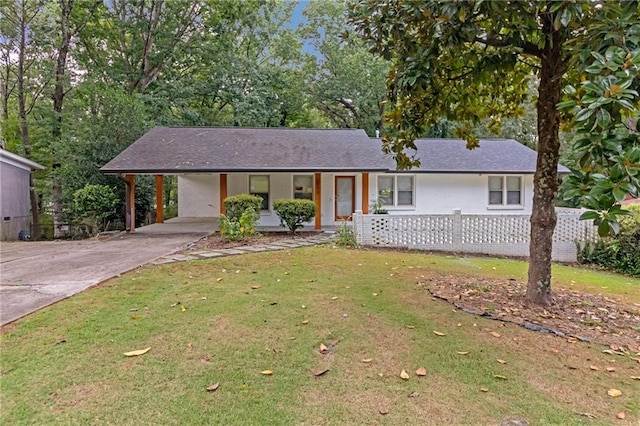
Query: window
x=505 y=191
x=259 y=185
x=303 y=187
x=395 y=190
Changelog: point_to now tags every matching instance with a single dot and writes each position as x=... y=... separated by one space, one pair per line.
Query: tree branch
x=527 y=48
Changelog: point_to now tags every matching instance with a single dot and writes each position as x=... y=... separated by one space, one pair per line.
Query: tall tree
x=23 y=59
x=472 y=60
x=345 y=82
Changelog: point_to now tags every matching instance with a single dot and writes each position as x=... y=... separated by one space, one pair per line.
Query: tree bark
x=22 y=113
x=58 y=100
x=545 y=180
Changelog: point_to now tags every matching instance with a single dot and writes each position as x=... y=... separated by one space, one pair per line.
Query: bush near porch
x=294 y=213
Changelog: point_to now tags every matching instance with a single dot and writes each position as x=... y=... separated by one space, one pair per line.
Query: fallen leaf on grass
x=219 y=279
x=183 y=308
x=334 y=297
x=323 y=348
x=138 y=352
x=495 y=334
x=484 y=389
x=375 y=294
x=213 y=387
x=611 y=369
x=383 y=410
x=439 y=333
x=594 y=367
x=635 y=377
x=499 y=376
x=266 y=372
x=175 y=304
x=410 y=327
x=414 y=394
x=421 y=371
x=305 y=322
x=587 y=415
x=501 y=361
x=255 y=287
x=614 y=392
x=320 y=372
x=404 y=375
x=621 y=415
x=462 y=352
x=367 y=360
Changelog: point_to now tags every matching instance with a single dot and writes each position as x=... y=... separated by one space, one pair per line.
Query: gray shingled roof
x=493 y=156
x=171 y=150
x=236 y=149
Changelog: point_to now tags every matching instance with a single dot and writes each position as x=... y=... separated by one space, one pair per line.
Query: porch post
x=365 y=193
x=318 y=193
x=130 y=203
x=159 y=199
x=223 y=191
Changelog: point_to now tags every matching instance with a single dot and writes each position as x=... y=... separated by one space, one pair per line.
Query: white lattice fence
x=506 y=235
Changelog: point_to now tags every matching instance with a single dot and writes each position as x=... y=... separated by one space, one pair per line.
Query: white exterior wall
x=443 y=193
x=199 y=195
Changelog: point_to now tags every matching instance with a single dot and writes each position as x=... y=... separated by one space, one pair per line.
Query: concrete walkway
x=37 y=274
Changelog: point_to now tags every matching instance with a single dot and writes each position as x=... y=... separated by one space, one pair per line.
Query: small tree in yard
x=294 y=213
x=94 y=205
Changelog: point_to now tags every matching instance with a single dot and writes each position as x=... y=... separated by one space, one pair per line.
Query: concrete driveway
x=36 y=274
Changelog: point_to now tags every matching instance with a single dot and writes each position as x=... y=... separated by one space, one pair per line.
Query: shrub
x=346 y=236
x=236 y=205
x=94 y=206
x=294 y=213
x=244 y=227
x=620 y=253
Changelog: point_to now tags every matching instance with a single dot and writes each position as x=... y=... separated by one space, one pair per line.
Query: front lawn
x=363 y=315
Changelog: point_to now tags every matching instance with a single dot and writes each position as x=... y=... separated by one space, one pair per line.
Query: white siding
x=199 y=196
x=443 y=193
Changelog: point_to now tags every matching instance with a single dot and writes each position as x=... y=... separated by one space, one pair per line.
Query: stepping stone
x=181 y=257
x=210 y=254
x=232 y=251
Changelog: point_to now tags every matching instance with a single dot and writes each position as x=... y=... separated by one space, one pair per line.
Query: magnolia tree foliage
x=471 y=61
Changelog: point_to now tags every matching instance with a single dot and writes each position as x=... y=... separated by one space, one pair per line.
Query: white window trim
x=313 y=184
x=395 y=205
x=504 y=194
x=268 y=210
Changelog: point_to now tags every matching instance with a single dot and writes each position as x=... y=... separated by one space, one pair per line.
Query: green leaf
x=589 y=215
x=619 y=194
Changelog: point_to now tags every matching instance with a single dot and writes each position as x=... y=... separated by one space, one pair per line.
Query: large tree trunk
x=22 y=113
x=58 y=99
x=545 y=180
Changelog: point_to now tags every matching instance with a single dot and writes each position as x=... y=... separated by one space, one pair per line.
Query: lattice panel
x=570 y=229
x=412 y=230
x=494 y=229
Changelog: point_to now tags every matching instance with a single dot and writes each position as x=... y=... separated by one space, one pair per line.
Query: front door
x=345 y=196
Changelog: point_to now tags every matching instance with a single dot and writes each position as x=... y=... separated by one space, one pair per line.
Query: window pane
x=513 y=197
x=258 y=184
x=495 y=183
x=385 y=190
x=405 y=183
x=513 y=183
x=303 y=187
x=495 y=197
x=405 y=198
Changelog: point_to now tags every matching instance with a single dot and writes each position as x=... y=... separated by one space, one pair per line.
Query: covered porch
x=201 y=197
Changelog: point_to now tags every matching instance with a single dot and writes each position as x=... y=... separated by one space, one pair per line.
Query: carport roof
x=179 y=150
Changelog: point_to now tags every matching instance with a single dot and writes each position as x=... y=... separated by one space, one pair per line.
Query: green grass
x=230 y=332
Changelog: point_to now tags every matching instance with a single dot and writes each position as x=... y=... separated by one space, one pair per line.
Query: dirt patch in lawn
x=573 y=314
x=216 y=241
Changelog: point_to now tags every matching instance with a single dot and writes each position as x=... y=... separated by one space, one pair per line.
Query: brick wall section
x=502 y=235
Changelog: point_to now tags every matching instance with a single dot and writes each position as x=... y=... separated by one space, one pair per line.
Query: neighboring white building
x=341 y=170
x=14 y=194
